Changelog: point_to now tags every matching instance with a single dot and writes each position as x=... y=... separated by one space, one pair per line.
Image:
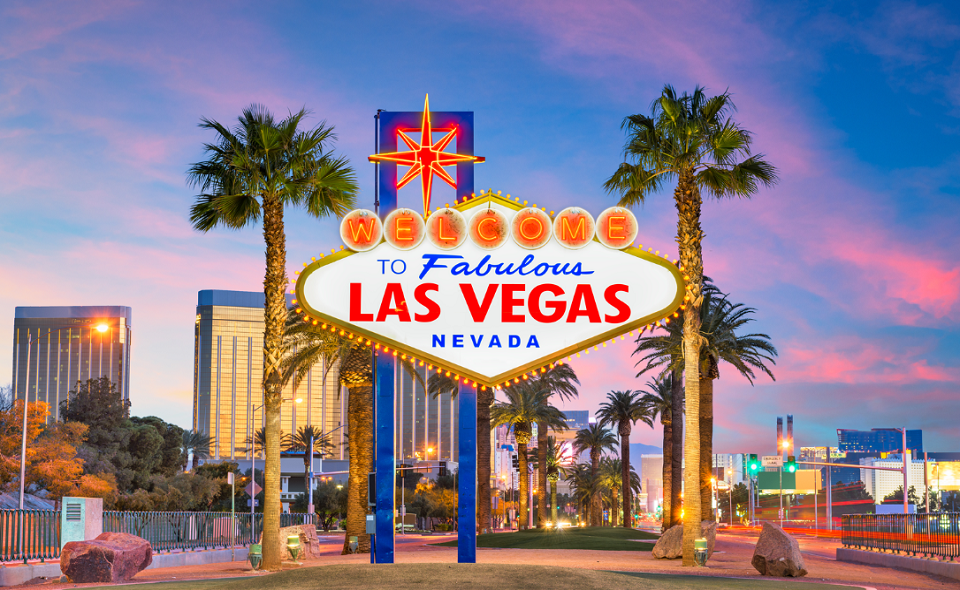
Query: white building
x=726 y=462
x=651 y=480
x=881 y=483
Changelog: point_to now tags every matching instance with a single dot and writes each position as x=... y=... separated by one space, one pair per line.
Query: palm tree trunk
x=689 y=239
x=706 y=448
x=553 y=503
x=676 y=476
x=614 y=507
x=275 y=314
x=484 y=401
x=360 y=427
x=523 y=518
x=625 y=474
x=596 y=503
x=667 y=471
x=543 y=514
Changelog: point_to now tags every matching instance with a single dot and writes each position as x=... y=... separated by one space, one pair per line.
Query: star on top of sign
x=426 y=158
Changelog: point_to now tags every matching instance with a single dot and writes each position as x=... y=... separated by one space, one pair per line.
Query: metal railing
x=29 y=534
x=928 y=535
x=184 y=531
x=35 y=534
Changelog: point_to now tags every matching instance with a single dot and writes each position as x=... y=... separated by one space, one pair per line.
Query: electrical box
x=371 y=524
x=81 y=519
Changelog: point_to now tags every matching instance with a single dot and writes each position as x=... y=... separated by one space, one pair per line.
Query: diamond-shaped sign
x=490 y=314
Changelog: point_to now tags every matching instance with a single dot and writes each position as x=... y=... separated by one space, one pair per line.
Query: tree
x=594 y=439
x=304 y=346
x=720 y=321
x=586 y=485
x=896 y=496
x=612 y=477
x=171 y=450
x=659 y=401
x=623 y=409
x=690 y=138
x=528 y=403
x=196 y=445
x=300 y=442
x=253 y=172
x=562 y=380
x=557 y=461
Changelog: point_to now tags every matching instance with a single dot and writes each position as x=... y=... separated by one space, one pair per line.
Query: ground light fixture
x=255 y=555
x=293 y=545
x=700 y=551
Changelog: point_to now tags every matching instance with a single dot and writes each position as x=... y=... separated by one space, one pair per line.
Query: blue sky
x=851 y=261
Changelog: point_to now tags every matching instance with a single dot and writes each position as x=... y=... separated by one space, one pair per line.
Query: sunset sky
x=847 y=260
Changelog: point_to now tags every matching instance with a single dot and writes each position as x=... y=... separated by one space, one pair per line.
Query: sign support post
x=385 y=460
x=467 y=492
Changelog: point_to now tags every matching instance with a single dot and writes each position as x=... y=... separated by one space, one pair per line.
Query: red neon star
x=426 y=158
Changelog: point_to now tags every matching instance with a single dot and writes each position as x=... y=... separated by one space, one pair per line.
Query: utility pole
x=906 y=503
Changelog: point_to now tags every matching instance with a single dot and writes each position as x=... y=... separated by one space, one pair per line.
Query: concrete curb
x=946 y=569
x=21 y=574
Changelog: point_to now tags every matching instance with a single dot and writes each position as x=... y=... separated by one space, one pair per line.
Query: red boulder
x=110 y=558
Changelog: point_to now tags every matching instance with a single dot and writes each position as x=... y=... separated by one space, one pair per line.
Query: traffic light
x=753 y=464
x=516 y=463
x=442 y=471
x=791 y=465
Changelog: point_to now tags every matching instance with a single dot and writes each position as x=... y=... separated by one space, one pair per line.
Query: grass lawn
x=415 y=576
x=598 y=538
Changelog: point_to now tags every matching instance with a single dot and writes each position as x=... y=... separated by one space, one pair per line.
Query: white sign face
x=771 y=461
x=490 y=314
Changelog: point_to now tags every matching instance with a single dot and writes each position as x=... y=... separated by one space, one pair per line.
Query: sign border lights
x=449 y=225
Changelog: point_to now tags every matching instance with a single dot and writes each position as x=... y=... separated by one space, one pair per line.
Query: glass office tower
x=228 y=378
x=69 y=344
x=427 y=427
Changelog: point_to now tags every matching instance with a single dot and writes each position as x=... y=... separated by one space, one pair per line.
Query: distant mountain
x=637 y=449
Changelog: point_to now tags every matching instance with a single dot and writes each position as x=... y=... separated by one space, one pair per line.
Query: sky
x=851 y=261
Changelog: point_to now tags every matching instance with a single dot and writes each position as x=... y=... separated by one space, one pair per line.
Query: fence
x=929 y=535
x=35 y=534
x=29 y=534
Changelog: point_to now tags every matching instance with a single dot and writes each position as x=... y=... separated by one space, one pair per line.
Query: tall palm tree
x=611 y=476
x=594 y=439
x=690 y=138
x=305 y=345
x=300 y=443
x=528 y=403
x=252 y=172
x=623 y=409
x=440 y=383
x=585 y=487
x=720 y=321
x=557 y=462
x=259 y=441
x=196 y=444
x=562 y=380
x=659 y=402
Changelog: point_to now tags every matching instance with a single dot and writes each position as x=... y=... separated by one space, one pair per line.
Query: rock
x=309 y=542
x=670 y=543
x=777 y=553
x=110 y=558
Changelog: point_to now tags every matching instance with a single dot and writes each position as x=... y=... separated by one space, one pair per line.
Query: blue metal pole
x=385 y=461
x=467 y=501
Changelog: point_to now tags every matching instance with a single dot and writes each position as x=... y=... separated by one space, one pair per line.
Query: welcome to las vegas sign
x=489 y=290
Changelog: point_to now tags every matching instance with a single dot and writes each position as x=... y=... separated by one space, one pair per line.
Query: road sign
x=771 y=461
x=256 y=504
x=252 y=489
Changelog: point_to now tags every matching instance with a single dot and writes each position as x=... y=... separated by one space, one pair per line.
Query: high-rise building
x=69 y=344
x=880 y=484
x=651 y=480
x=427 y=427
x=228 y=379
x=880 y=440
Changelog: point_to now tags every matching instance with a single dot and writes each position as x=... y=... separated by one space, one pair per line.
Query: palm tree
x=557 y=461
x=253 y=172
x=594 y=439
x=585 y=487
x=197 y=444
x=441 y=383
x=720 y=320
x=305 y=345
x=659 y=401
x=528 y=403
x=300 y=442
x=689 y=137
x=623 y=409
x=611 y=476
x=259 y=441
x=562 y=380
